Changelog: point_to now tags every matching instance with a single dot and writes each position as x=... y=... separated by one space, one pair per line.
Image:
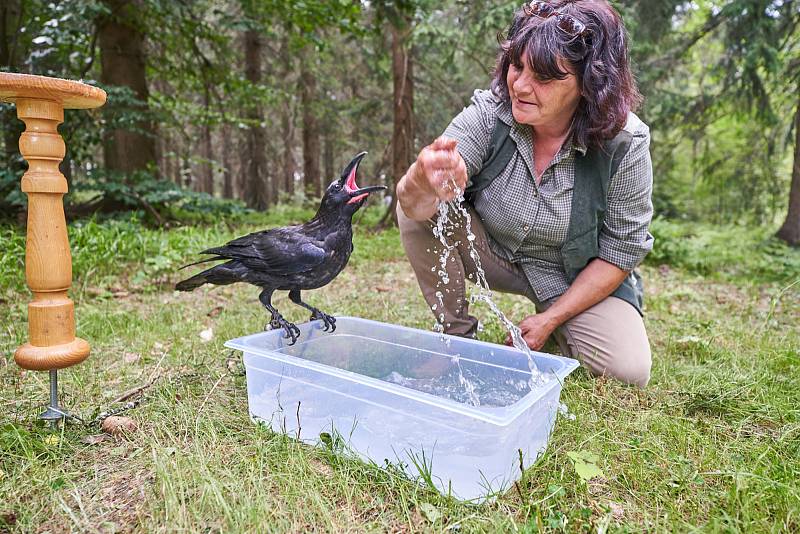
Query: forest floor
x=713 y=443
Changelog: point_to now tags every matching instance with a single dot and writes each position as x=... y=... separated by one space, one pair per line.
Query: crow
x=292 y=258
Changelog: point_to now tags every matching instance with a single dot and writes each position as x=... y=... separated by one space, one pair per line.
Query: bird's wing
x=278 y=251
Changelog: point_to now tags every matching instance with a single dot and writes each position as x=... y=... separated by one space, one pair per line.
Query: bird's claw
x=328 y=320
x=291 y=329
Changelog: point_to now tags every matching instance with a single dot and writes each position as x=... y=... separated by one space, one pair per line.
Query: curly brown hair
x=598 y=56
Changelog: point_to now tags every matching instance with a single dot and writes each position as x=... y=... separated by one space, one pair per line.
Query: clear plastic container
x=396 y=394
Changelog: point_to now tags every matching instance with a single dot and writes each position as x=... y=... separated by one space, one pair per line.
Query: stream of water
x=448 y=214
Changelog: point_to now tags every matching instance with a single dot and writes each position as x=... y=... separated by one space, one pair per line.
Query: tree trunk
x=254 y=164
x=122 y=58
x=311 y=144
x=65 y=167
x=790 y=231
x=328 y=158
x=289 y=164
x=403 y=104
x=206 y=182
x=227 y=163
x=10 y=22
x=167 y=156
x=273 y=153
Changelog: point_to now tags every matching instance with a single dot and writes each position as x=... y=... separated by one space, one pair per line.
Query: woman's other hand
x=535 y=330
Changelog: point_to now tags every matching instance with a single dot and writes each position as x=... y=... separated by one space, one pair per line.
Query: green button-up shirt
x=528 y=223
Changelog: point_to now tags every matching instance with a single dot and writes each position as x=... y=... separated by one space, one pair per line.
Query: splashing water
x=483 y=293
x=563 y=410
x=444 y=279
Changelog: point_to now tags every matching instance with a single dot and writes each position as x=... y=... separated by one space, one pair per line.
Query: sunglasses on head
x=566 y=23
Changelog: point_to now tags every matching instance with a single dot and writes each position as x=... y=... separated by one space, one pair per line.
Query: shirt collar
x=579 y=147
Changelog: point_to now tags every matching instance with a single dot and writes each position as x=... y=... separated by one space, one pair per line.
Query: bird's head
x=344 y=195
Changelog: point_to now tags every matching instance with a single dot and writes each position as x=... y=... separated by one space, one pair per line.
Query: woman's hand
x=440 y=169
x=431 y=179
x=535 y=330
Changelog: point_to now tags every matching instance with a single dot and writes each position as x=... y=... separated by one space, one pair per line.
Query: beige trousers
x=609 y=338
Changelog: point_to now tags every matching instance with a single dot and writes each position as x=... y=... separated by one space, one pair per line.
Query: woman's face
x=542 y=104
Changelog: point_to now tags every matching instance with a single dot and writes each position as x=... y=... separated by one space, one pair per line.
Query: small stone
x=118 y=425
x=207 y=335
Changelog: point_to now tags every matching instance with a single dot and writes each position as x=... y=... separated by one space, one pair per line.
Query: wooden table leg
x=40 y=105
x=48 y=262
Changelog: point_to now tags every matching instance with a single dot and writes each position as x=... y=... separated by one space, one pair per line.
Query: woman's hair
x=598 y=56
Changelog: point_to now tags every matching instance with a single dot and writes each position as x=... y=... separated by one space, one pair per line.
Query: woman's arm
x=594 y=283
x=421 y=189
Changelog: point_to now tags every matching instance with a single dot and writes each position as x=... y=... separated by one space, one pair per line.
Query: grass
x=712 y=445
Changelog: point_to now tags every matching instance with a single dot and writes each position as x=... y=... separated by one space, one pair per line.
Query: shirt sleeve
x=472 y=129
x=624 y=238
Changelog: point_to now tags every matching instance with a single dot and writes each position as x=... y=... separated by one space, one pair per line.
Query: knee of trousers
x=630 y=365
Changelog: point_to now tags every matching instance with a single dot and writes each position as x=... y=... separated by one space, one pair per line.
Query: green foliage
x=11 y=197
x=728 y=252
x=720 y=84
x=720 y=81
x=162 y=200
x=585 y=464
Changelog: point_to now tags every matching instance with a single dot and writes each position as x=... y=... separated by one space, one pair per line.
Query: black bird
x=293 y=258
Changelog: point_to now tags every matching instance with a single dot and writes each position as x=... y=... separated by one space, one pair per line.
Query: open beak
x=350 y=185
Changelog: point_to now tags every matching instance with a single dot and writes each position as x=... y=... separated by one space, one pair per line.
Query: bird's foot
x=329 y=320
x=292 y=332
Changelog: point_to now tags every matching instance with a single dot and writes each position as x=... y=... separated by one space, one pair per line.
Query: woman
x=563 y=219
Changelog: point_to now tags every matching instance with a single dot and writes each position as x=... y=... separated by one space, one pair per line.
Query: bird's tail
x=219 y=275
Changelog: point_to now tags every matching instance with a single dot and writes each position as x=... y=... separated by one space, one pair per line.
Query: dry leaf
x=215 y=311
x=430 y=512
x=383 y=289
x=131 y=357
x=95 y=439
x=207 y=335
x=119 y=426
